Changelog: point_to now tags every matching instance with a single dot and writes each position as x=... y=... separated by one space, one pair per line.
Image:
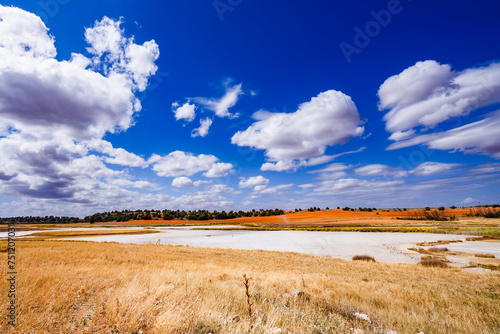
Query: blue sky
x=236 y=104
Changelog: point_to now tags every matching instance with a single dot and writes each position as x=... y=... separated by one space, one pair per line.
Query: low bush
x=487 y=256
x=433 y=262
x=438 y=249
x=366 y=258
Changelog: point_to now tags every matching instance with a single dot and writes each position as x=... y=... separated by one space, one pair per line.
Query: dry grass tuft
x=439 y=242
x=488 y=256
x=366 y=258
x=430 y=261
x=438 y=249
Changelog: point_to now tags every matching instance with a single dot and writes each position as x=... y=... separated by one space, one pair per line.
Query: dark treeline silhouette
x=126 y=215
x=359 y=209
x=40 y=220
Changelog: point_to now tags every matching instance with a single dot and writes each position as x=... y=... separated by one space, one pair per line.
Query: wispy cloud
x=428 y=93
x=221 y=106
x=481 y=137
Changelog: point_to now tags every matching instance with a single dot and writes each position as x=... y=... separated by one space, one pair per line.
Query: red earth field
x=315 y=218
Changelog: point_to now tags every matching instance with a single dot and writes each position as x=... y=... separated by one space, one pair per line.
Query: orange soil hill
x=324 y=217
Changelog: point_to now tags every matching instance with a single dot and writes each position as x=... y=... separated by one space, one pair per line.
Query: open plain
x=75 y=286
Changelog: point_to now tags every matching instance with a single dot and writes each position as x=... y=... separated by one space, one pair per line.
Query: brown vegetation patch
x=438 y=249
x=488 y=256
x=431 y=261
x=439 y=242
x=366 y=258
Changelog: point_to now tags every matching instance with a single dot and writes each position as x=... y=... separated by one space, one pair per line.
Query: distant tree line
x=40 y=220
x=126 y=215
x=359 y=209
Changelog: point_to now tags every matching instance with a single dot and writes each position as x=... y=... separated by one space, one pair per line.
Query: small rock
x=392 y=332
x=362 y=316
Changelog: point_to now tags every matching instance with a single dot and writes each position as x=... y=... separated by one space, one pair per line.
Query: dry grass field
x=84 y=287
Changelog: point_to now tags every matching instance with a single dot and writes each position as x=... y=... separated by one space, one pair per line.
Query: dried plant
x=246 y=283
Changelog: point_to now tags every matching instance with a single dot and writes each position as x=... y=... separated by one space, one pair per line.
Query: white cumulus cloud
x=187 y=111
x=258 y=183
x=183 y=181
x=179 y=163
x=117 y=156
x=291 y=140
x=55 y=113
x=219 y=169
x=202 y=131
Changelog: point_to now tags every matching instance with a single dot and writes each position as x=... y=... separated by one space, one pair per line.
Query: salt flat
x=384 y=247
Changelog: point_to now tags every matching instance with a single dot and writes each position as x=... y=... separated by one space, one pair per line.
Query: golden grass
x=485 y=255
x=84 y=287
x=439 y=242
x=91 y=233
